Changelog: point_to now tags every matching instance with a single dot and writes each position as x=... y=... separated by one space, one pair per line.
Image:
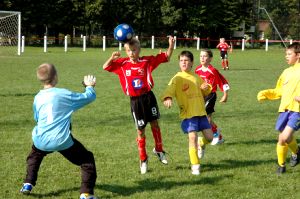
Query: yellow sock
x=293 y=146
x=193 y=156
x=202 y=141
x=281 y=154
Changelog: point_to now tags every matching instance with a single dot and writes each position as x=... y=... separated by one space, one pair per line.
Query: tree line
x=183 y=18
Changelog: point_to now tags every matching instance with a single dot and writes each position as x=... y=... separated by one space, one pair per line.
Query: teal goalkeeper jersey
x=52 y=110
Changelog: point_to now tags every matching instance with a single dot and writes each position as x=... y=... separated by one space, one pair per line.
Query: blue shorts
x=197 y=124
x=289 y=118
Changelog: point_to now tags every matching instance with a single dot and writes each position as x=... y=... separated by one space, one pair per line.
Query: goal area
x=10 y=32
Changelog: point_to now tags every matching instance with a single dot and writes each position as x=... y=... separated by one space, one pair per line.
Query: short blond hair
x=46 y=73
x=133 y=42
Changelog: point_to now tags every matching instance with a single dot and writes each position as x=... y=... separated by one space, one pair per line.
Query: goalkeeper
x=52 y=108
x=288 y=89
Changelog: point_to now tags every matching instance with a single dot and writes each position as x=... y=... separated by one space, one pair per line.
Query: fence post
x=267 y=44
x=175 y=38
x=243 y=44
x=120 y=46
x=198 y=43
x=152 y=42
x=291 y=41
x=22 y=44
x=84 y=43
x=45 y=44
x=66 y=43
x=104 y=43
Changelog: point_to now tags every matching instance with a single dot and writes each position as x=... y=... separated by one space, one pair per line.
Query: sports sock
x=157 y=138
x=202 y=141
x=193 y=156
x=223 y=64
x=281 y=154
x=293 y=146
x=214 y=127
x=142 y=148
x=227 y=63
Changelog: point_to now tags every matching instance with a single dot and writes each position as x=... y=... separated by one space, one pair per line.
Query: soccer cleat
x=161 y=156
x=295 y=158
x=87 y=196
x=144 y=166
x=218 y=139
x=281 y=169
x=26 y=188
x=196 y=169
x=201 y=151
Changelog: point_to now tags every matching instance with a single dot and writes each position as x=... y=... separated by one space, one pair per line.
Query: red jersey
x=223 y=47
x=213 y=77
x=136 y=79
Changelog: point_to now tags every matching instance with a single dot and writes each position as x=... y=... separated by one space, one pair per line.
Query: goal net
x=10 y=32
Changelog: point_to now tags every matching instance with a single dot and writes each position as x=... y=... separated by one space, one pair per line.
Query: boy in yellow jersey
x=189 y=90
x=288 y=89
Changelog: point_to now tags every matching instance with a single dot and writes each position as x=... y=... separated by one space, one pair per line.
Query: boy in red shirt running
x=136 y=80
x=212 y=76
x=223 y=47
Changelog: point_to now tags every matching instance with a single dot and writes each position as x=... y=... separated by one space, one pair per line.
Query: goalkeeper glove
x=89 y=80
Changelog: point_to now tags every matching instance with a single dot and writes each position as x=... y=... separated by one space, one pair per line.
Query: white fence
x=241 y=43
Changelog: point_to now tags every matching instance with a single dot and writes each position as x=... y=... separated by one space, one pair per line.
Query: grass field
x=243 y=167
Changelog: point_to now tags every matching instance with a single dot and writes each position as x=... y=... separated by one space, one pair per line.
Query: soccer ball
x=123 y=32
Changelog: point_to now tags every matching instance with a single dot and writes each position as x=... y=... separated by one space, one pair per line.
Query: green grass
x=243 y=167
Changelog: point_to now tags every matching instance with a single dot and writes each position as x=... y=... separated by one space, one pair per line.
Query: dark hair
x=208 y=51
x=186 y=53
x=295 y=47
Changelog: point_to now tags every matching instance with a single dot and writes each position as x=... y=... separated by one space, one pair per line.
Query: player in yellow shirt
x=189 y=90
x=288 y=122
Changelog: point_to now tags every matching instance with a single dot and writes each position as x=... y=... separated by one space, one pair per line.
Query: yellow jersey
x=186 y=87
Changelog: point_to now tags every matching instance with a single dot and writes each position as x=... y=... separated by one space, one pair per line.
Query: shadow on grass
x=17 y=94
x=252 y=142
x=232 y=164
x=149 y=185
x=54 y=193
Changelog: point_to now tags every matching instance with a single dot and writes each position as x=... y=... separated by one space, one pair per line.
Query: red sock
x=227 y=63
x=214 y=128
x=142 y=148
x=157 y=138
x=223 y=64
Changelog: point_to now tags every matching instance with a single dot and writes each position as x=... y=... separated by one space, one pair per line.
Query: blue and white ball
x=123 y=32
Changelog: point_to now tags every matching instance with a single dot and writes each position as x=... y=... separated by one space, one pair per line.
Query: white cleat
x=144 y=166
x=161 y=156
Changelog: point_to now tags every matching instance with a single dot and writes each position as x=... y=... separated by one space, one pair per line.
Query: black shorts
x=210 y=102
x=224 y=54
x=144 y=109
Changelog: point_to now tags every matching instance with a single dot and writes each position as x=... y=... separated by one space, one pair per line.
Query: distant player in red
x=136 y=80
x=213 y=77
x=223 y=47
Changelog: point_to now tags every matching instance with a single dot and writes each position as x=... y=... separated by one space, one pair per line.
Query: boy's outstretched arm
x=114 y=56
x=224 y=97
x=171 y=47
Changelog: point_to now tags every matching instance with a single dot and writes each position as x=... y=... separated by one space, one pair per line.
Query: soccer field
x=243 y=167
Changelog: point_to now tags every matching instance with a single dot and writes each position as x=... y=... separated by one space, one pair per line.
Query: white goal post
x=10 y=31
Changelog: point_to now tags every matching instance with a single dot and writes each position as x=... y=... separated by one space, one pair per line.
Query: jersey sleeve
x=221 y=81
x=115 y=65
x=158 y=59
x=81 y=99
x=170 y=90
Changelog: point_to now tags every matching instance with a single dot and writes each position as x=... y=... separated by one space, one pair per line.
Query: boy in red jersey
x=213 y=77
x=288 y=90
x=136 y=80
x=223 y=47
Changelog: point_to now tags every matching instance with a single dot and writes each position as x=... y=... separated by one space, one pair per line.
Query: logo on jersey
x=128 y=72
x=137 y=83
x=185 y=87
